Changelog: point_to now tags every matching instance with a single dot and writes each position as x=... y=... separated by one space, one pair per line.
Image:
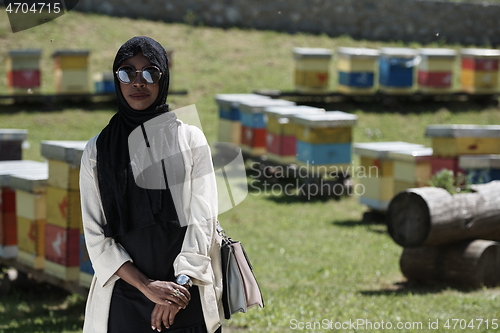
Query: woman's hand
x=163 y=314
x=167 y=293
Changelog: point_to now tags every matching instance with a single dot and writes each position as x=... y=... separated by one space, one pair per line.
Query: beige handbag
x=240 y=288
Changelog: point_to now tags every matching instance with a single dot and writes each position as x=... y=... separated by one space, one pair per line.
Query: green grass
x=314 y=260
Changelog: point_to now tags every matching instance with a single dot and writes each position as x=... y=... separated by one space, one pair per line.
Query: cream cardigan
x=200 y=253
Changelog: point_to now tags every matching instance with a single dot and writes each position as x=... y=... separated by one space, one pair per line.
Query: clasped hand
x=169 y=298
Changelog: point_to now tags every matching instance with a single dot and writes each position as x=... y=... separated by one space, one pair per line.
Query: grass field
x=316 y=260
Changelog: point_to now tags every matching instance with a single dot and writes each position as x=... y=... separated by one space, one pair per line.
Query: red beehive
x=62 y=246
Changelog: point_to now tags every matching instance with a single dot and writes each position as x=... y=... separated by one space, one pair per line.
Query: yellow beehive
x=356 y=69
x=63 y=208
x=480 y=70
x=435 y=71
x=71 y=59
x=412 y=168
x=456 y=140
x=312 y=69
x=31 y=242
x=63 y=175
x=376 y=173
x=72 y=81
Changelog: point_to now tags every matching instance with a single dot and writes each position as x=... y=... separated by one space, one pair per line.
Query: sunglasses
x=127 y=74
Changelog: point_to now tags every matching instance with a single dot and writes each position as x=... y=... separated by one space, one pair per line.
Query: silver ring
x=176 y=293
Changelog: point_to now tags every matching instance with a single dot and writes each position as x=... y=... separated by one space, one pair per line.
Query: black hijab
x=126 y=205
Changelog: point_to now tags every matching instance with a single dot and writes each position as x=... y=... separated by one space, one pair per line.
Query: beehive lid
x=7 y=168
x=483 y=53
x=66 y=151
x=382 y=149
x=28 y=53
x=233 y=100
x=10 y=134
x=411 y=155
x=361 y=52
x=258 y=105
x=403 y=52
x=437 y=53
x=287 y=111
x=70 y=53
x=327 y=119
x=34 y=181
x=479 y=161
x=311 y=52
x=469 y=131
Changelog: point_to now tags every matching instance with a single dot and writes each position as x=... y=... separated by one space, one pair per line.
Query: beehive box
x=324 y=139
x=356 y=69
x=480 y=169
x=435 y=71
x=280 y=138
x=456 y=140
x=8 y=219
x=104 y=82
x=412 y=168
x=396 y=67
x=479 y=70
x=253 y=124
x=229 y=115
x=312 y=69
x=71 y=71
x=64 y=217
x=376 y=173
x=23 y=71
x=31 y=216
x=11 y=141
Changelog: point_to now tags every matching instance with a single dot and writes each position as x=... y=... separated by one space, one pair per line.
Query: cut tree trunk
x=432 y=216
x=470 y=265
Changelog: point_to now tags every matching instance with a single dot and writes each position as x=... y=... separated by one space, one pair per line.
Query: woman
x=155 y=252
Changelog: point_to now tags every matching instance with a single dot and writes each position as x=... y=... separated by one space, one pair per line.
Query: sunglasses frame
x=138 y=71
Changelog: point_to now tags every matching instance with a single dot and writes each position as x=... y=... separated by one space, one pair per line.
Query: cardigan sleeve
x=201 y=213
x=106 y=255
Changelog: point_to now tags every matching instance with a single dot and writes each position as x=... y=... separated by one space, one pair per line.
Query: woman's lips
x=139 y=96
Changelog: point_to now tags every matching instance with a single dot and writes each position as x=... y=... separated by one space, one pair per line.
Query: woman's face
x=139 y=94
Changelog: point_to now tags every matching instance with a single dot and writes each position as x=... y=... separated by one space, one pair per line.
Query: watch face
x=182 y=279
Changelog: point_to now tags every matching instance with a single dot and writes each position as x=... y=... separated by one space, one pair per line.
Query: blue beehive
x=356 y=68
x=396 y=66
x=480 y=169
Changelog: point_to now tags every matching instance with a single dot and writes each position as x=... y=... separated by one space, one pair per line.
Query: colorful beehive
x=71 y=71
x=280 y=137
x=104 y=82
x=396 y=66
x=479 y=71
x=253 y=124
x=64 y=217
x=312 y=69
x=356 y=67
x=230 y=115
x=480 y=169
x=23 y=71
x=376 y=173
x=324 y=139
x=31 y=216
x=435 y=71
x=456 y=140
x=8 y=219
x=412 y=168
x=11 y=141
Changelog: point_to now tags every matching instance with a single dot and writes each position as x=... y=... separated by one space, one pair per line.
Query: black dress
x=153 y=249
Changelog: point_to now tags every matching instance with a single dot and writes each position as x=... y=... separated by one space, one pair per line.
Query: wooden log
x=432 y=216
x=472 y=264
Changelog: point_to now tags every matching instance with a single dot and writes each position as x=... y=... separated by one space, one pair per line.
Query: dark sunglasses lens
x=126 y=74
x=151 y=74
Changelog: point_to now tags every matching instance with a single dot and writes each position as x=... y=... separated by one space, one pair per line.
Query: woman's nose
x=139 y=81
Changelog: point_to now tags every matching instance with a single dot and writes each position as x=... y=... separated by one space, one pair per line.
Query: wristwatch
x=184 y=280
